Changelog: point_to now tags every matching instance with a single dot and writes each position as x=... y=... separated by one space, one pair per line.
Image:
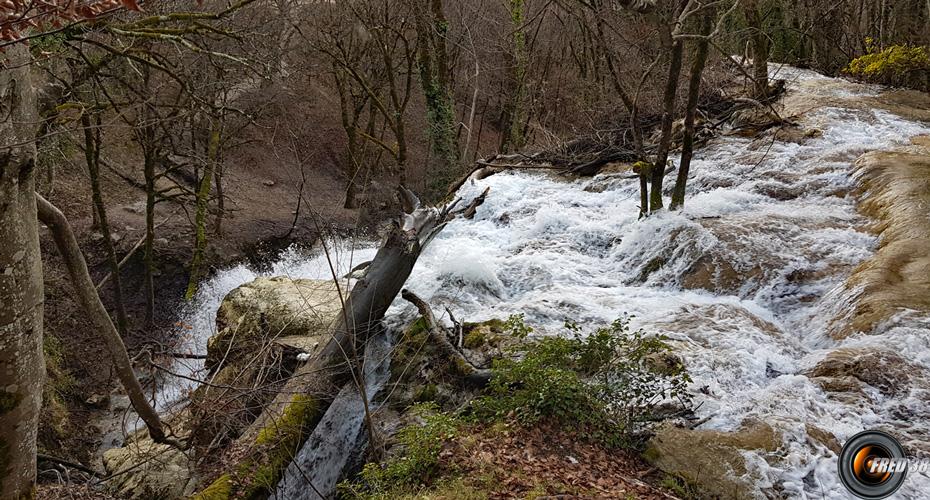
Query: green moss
x=276 y=444
x=221 y=489
x=475 y=335
x=408 y=349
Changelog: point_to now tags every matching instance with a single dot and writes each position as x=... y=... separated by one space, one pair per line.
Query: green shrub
x=903 y=65
x=609 y=382
x=606 y=384
x=418 y=465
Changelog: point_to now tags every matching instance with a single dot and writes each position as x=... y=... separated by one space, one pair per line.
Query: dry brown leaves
x=516 y=462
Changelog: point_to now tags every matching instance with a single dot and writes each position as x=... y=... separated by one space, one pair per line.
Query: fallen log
x=273 y=439
x=437 y=333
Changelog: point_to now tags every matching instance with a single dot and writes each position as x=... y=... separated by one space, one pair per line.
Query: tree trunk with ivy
x=432 y=29
x=21 y=286
x=515 y=111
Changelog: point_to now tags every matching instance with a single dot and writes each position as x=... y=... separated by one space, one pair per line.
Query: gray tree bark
x=22 y=365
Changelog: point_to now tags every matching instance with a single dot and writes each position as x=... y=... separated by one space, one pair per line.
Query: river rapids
x=746 y=280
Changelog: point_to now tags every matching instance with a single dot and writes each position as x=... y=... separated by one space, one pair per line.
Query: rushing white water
x=782 y=234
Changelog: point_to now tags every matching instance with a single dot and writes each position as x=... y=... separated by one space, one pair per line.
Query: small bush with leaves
x=419 y=463
x=903 y=65
x=609 y=381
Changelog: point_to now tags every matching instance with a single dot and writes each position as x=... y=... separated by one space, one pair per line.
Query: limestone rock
x=843 y=370
x=145 y=470
x=712 y=460
x=266 y=328
x=261 y=311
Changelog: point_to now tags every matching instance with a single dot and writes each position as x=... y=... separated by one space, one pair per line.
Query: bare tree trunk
x=21 y=287
x=760 y=49
x=92 y=146
x=668 y=117
x=86 y=294
x=694 y=93
x=312 y=385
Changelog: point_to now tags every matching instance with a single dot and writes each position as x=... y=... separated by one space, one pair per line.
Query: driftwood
x=594 y=166
x=586 y=156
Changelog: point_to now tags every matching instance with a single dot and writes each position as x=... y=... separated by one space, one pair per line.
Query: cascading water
x=198 y=321
x=744 y=279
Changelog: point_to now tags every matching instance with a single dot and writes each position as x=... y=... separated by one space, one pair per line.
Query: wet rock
x=790 y=133
x=896 y=187
x=712 y=460
x=843 y=369
x=780 y=192
x=824 y=438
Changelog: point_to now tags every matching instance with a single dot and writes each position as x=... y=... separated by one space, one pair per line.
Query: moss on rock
x=276 y=444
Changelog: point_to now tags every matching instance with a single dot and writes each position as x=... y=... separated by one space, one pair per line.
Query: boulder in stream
x=268 y=309
x=265 y=328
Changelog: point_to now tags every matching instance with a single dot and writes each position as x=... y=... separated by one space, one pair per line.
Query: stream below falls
x=745 y=280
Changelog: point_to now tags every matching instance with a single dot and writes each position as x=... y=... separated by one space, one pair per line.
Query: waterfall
x=744 y=280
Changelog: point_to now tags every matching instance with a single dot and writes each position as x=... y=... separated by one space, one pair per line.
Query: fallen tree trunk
x=274 y=438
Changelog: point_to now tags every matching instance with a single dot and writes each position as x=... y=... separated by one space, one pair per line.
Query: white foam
x=553 y=251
